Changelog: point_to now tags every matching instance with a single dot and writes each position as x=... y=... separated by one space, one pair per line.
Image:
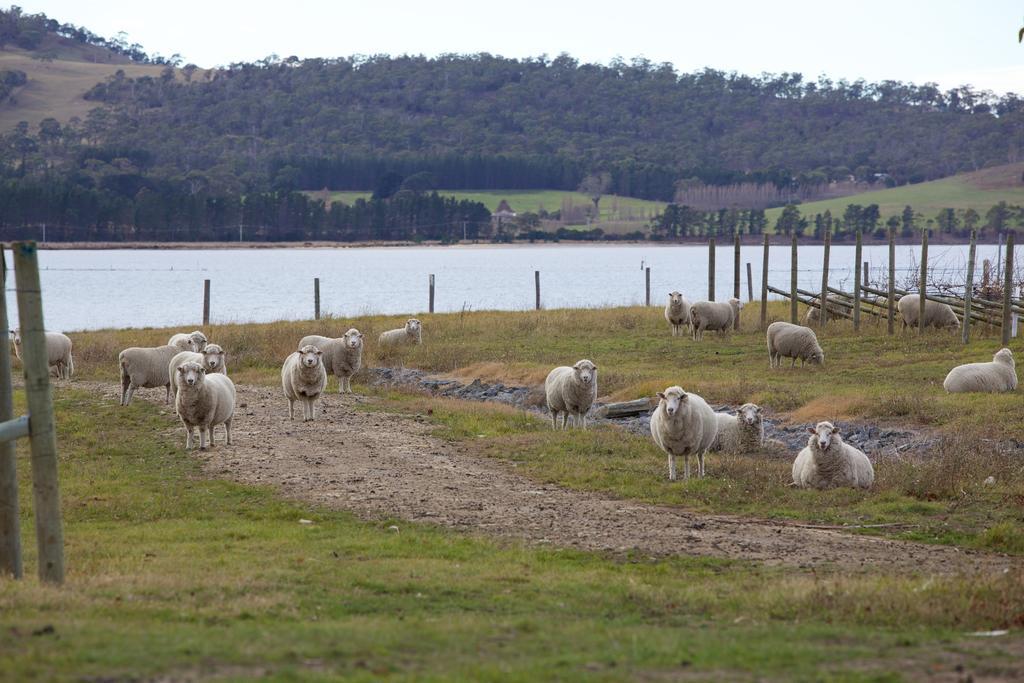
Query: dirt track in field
x=380 y=465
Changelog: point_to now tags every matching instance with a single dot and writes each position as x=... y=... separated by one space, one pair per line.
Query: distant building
x=503 y=218
x=504 y=210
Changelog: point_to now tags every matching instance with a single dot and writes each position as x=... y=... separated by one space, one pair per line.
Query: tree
x=595 y=186
x=907 y=222
x=790 y=221
x=387 y=185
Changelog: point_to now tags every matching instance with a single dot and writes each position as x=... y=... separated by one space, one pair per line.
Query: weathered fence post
x=736 y=275
x=316 y=298
x=969 y=288
x=10 y=529
x=856 y=281
x=891 y=298
x=43 y=442
x=750 y=283
x=711 y=269
x=924 y=281
x=1008 y=289
x=206 y=302
x=822 y=315
x=536 y=286
x=764 y=285
x=647 y=286
x=430 y=307
x=792 y=283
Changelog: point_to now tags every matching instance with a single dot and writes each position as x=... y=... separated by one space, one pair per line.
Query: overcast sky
x=951 y=42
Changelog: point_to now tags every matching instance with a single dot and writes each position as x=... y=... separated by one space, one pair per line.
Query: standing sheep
x=786 y=340
x=303 y=378
x=998 y=375
x=58 y=352
x=145 y=368
x=571 y=392
x=713 y=315
x=203 y=400
x=935 y=314
x=677 y=313
x=342 y=356
x=683 y=424
x=827 y=461
x=213 y=359
x=410 y=334
x=740 y=433
x=193 y=341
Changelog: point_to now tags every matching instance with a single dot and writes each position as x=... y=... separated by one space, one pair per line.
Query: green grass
x=170 y=573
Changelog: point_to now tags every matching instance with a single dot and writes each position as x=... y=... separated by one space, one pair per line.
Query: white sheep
x=342 y=356
x=998 y=375
x=58 y=352
x=740 y=433
x=713 y=315
x=203 y=400
x=303 y=378
x=786 y=340
x=677 y=312
x=827 y=461
x=570 y=392
x=410 y=334
x=683 y=424
x=145 y=368
x=193 y=341
x=935 y=314
x=213 y=359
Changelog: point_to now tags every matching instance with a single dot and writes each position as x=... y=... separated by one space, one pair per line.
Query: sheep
x=740 y=433
x=193 y=341
x=342 y=357
x=713 y=315
x=813 y=314
x=827 y=461
x=213 y=359
x=998 y=375
x=303 y=378
x=935 y=314
x=145 y=368
x=410 y=334
x=786 y=340
x=58 y=352
x=203 y=400
x=683 y=424
x=677 y=313
x=570 y=392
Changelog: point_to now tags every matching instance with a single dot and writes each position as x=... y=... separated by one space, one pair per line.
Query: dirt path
x=380 y=465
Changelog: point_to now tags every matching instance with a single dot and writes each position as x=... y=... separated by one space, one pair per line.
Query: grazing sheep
x=786 y=340
x=410 y=334
x=813 y=314
x=145 y=368
x=342 y=356
x=740 y=433
x=713 y=315
x=998 y=375
x=213 y=359
x=827 y=461
x=677 y=313
x=571 y=392
x=935 y=314
x=203 y=400
x=303 y=378
x=193 y=341
x=58 y=352
x=683 y=424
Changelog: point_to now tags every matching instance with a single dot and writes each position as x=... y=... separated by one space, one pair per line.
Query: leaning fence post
x=856 y=281
x=536 y=286
x=822 y=315
x=647 y=285
x=891 y=298
x=764 y=284
x=206 y=303
x=969 y=288
x=43 y=441
x=10 y=529
x=711 y=269
x=792 y=283
x=431 y=303
x=736 y=275
x=750 y=283
x=1008 y=289
x=316 y=298
x=924 y=282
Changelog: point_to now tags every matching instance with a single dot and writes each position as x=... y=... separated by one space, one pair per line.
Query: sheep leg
x=291 y=409
x=583 y=421
x=700 y=465
x=793 y=364
x=312 y=409
x=554 y=419
x=227 y=429
x=188 y=437
x=128 y=395
x=671 y=467
x=686 y=466
x=203 y=437
x=167 y=398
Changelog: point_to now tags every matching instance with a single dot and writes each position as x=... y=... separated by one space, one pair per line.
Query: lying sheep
x=342 y=356
x=193 y=341
x=786 y=340
x=998 y=375
x=713 y=315
x=145 y=368
x=813 y=314
x=827 y=461
x=303 y=378
x=410 y=334
x=58 y=352
x=740 y=433
x=683 y=424
x=213 y=359
x=203 y=400
x=935 y=314
x=570 y=392
x=677 y=313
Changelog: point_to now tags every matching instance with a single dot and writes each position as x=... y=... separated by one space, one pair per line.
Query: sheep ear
x=595 y=367
x=835 y=430
x=661 y=394
x=202 y=371
x=319 y=352
x=684 y=397
x=181 y=369
x=811 y=430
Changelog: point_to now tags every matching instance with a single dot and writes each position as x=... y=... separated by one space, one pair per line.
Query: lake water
x=94 y=289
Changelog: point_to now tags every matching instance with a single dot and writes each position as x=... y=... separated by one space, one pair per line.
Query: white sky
x=951 y=42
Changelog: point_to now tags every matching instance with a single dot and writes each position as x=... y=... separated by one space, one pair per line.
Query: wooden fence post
x=1008 y=289
x=316 y=298
x=792 y=283
x=711 y=269
x=536 y=286
x=856 y=281
x=647 y=285
x=924 y=281
x=206 y=303
x=750 y=283
x=867 y=271
x=10 y=529
x=891 y=299
x=430 y=308
x=822 y=312
x=43 y=442
x=764 y=285
x=969 y=288
x=736 y=275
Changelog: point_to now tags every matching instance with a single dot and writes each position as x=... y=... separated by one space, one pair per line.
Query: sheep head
x=1004 y=356
x=309 y=356
x=675 y=299
x=749 y=413
x=191 y=374
x=585 y=371
x=213 y=357
x=198 y=340
x=673 y=400
x=825 y=434
x=412 y=326
x=353 y=338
